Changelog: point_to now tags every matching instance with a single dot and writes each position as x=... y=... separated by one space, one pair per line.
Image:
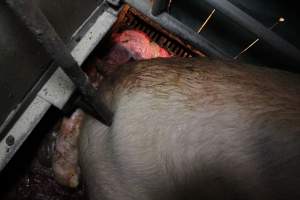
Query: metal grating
x=129 y=19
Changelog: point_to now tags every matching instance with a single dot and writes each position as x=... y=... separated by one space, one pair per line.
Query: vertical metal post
x=37 y=23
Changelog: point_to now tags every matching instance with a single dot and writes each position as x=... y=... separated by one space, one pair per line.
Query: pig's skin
x=195 y=129
x=65 y=157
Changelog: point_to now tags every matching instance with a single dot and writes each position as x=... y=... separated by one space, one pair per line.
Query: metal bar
x=174 y=26
x=22 y=106
x=281 y=19
x=206 y=21
x=22 y=128
x=37 y=23
x=246 y=49
x=256 y=28
x=192 y=37
x=159 y=6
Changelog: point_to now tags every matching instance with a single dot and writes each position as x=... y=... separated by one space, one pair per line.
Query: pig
x=194 y=129
x=126 y=46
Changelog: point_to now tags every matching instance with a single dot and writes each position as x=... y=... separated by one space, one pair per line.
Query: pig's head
x=127 y=46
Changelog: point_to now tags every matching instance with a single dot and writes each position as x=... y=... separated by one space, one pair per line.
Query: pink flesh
x=133 y=44
x=126 y=46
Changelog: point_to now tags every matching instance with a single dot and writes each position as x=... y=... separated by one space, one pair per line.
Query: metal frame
x=59 y=87
x=39 y=26
x=255 y=27
x=176 y=27
x=22 y=106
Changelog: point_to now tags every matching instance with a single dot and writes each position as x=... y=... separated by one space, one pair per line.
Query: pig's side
x=195 y=129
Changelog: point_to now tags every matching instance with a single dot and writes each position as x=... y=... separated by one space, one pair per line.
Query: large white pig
x=194 y=129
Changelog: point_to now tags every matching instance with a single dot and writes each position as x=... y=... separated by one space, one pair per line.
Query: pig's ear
x=105 y=69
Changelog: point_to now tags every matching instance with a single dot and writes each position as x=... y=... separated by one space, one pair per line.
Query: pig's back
x=190 y=128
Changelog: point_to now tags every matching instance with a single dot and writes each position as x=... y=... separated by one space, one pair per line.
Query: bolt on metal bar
x=37 y=23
